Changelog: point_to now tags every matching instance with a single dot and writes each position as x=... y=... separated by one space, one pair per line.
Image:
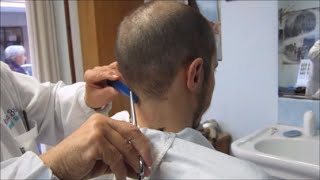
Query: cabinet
x=99 y=21
x=10 y=36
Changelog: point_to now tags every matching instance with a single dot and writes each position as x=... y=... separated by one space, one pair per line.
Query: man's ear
x=195 y=74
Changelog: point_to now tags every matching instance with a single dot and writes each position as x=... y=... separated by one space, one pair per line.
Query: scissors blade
x=132 y=110
x=134 y=122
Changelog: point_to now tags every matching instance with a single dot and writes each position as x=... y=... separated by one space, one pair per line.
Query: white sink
x=299 y=150
x=281 y=157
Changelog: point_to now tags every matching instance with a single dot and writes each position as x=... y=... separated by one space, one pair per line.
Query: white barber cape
x=189 y=155
x=53 y=111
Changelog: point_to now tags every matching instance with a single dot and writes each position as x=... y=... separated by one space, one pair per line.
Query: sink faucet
x=273 y=130
x=309 y=127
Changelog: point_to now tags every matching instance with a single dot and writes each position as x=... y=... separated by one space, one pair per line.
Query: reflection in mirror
x=299 y=45
x=299 y=49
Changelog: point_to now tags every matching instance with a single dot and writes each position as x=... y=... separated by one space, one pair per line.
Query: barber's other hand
x=99 y=146
x=97 y=93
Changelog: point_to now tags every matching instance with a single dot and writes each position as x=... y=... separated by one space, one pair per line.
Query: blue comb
x=123 y=89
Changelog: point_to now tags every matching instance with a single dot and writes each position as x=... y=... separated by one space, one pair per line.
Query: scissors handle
x=141 y=164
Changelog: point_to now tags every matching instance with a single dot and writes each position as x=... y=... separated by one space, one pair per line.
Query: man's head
x=15 y=53
x=163 y=40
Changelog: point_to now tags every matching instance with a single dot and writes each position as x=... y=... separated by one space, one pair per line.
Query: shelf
x=299 y=97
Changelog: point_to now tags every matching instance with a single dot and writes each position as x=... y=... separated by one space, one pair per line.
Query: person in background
x=313 y=87
x=15 y=57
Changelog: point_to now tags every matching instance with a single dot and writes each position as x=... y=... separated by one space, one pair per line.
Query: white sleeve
x=27 y=166
x=314 y=52
x=58 y=109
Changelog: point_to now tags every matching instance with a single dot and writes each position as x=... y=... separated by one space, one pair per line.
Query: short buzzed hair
x=158 y=39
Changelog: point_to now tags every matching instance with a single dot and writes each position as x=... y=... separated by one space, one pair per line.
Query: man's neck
x=163 y=116
x=171 y=114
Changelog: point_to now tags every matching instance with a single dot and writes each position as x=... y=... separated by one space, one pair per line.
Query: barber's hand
x=97 y=93
x=99 y=146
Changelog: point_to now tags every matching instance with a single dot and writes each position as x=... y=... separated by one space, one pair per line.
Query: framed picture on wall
x=299 y=25
x=299 y=30
x=13 y=35
x=10 y=36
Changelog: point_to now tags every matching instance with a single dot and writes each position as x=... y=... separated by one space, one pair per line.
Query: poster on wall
x=298 y=32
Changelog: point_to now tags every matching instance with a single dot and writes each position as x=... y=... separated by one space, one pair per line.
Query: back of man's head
x=157 y=40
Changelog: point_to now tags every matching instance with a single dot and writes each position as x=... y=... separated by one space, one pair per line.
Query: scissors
x=123 y=89
x=134 y=122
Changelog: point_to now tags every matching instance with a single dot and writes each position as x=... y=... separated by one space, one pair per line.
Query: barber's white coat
x=53 y=111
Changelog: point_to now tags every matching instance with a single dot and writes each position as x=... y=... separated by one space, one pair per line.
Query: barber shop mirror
x=299 y=36
x=299 y=49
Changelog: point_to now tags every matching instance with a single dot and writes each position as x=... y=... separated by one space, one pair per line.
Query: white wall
x=245 y=97
x=13 y=19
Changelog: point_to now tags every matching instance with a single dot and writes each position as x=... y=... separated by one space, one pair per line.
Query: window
x=14 y=31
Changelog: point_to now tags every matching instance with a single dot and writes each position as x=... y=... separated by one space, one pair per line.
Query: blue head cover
x=122 y=89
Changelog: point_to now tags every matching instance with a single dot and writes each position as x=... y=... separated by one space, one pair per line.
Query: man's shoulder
x=186 y=159
x=186 y=156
